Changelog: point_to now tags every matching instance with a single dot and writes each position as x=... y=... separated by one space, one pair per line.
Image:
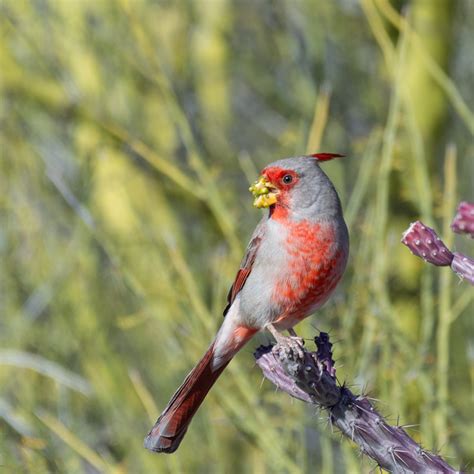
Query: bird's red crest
x=326 y=156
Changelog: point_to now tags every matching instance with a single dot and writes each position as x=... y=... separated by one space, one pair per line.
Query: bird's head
x=294 y=184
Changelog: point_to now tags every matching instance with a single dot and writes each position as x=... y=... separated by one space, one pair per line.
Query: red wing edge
x=244 y=271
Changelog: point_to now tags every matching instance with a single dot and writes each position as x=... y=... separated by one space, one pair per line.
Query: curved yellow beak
x=265 y=193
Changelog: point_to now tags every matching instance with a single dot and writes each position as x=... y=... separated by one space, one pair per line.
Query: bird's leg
x=292 y=344
x=292 y=333
x=273 y=331
x=295 y=336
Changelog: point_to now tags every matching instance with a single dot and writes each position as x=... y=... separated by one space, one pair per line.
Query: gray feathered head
x=297 y=184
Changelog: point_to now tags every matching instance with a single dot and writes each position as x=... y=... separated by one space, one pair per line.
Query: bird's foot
x=288 y=347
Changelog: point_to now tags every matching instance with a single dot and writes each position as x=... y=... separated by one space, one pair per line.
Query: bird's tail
x=171 y=426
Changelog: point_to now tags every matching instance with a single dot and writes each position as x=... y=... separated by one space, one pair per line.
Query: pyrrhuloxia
x=295 y=259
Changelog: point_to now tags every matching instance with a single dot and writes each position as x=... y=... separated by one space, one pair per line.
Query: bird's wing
x=246 y=264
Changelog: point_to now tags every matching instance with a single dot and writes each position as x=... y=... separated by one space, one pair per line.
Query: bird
x=295 y=258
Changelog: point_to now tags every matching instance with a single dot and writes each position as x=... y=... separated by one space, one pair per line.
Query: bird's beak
x=265 y=192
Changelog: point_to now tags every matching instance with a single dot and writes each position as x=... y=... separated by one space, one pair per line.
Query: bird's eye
x=287 y=179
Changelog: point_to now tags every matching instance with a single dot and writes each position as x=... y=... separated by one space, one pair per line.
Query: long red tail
x=172 y=424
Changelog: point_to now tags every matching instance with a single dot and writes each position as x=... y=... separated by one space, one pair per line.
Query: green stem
x=445 y=303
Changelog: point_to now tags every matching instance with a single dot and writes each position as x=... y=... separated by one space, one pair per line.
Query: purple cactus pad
x=425 y=243
x=311 y=376
x=463 y=266
x=275 y=372
x=463 y=222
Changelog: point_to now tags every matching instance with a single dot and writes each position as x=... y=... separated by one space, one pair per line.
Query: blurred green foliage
x=129 y=131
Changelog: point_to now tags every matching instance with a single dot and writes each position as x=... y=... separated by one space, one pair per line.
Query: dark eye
x=287 y=179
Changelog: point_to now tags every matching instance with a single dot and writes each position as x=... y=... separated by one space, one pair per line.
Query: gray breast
x=256 y=305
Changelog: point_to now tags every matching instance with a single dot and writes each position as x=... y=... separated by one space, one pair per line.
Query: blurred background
x=129 y=133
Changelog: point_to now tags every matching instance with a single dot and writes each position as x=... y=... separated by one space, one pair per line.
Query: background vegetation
x=129 y=131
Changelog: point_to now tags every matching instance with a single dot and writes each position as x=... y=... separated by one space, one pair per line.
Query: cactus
x=311 y=377
x=425 y=243
x=463 y=222
x=463 y=266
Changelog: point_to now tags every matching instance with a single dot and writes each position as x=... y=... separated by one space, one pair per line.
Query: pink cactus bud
x=425 y=243
x=463 y=222
x=463 y=266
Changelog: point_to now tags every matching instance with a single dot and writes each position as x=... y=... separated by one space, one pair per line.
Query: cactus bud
x=425 y=243
x=463 y=222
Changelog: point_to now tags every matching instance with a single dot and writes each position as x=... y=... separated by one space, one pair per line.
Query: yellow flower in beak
x=265 y=193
